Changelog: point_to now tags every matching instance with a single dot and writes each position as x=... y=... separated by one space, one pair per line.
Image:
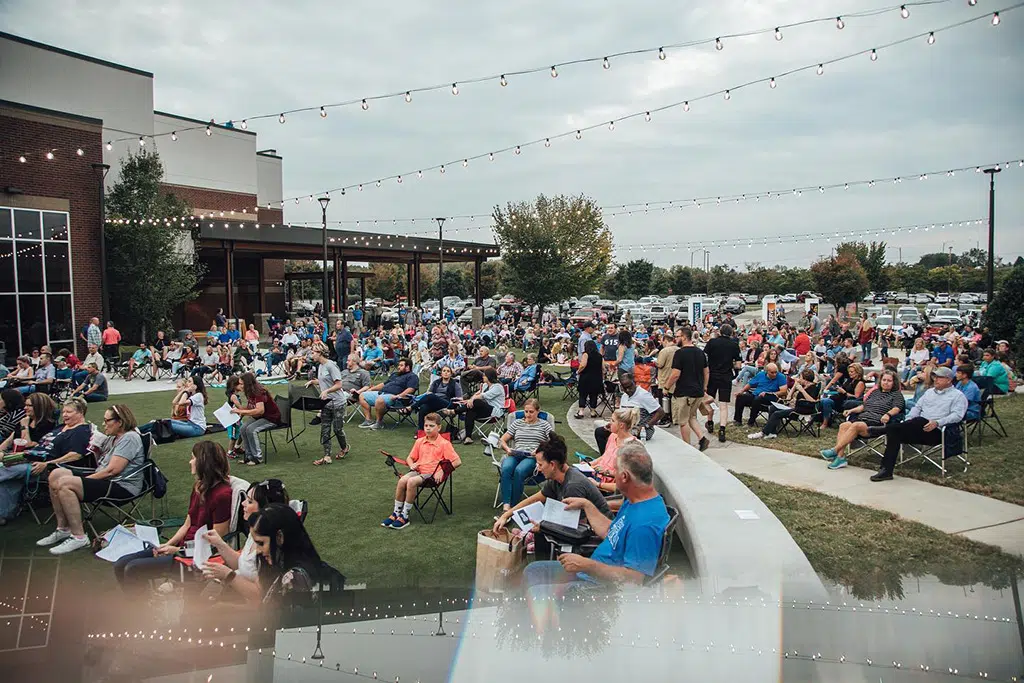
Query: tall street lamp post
x=324 y=201
x=991 y=272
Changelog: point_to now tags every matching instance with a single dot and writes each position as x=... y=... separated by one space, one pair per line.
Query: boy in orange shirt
x=427 y=453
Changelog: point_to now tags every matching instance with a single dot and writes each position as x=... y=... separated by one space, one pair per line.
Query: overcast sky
x=919 y=107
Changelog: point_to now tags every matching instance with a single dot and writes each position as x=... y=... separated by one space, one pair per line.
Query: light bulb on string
x=142 y=141
x=904 y=12
x=517 y=150
x=647 y=116
x=442 y=168
x=209 y=130
x=455 y=88
x=503 y=81
x=728 y=95
x=771 y=83
x=874 y=55
x=323 y=113
x=490 y=156
x=611 y=125
x=840 y=24
x=778 y=34
x=605 y=63
x=579 y=135
x=995 y=19
x=547 y=142
x=49 y=155
x=465 y=163
x=554 y=72
x=419 y=174
x=821 y=69
x=686 y=106
x=365 y=105
x=972 y=3
x=718 y=44
x=931 y=37
x=245 y=124
x=280 y=118
x=661 y=54
x=22 y=159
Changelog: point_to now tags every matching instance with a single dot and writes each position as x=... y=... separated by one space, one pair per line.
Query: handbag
x=162 y=432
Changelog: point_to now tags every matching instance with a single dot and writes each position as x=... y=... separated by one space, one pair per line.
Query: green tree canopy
x=152 y=268
x=633 y=279
x=1004 y=316
x=552 y=248
x=840 y=280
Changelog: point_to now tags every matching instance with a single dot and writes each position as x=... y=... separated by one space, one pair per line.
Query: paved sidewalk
x=950 y=510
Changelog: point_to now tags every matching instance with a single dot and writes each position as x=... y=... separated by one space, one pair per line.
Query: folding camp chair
x=124 y=510
x=440 y=483
x=492 y=450
x=485 y=426
x=953 y=445
x=529 y=389
x=398 y=418
x=989 y=419
x=801 y=422
x=284 y=406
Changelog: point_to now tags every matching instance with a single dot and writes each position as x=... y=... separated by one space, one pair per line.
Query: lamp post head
x=991 y=171
x=324 y=201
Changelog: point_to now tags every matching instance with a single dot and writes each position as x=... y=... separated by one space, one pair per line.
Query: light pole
x=102 y=170
x=440 y=266
x=991 y=272
x=949 y=271
x=324 y=201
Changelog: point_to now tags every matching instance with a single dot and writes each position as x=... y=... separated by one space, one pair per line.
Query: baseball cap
x=588 y=325
x=1002 y=341
x=942 y=371
x=59 y=359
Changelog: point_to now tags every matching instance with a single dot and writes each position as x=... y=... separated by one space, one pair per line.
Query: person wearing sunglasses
x=120 y=452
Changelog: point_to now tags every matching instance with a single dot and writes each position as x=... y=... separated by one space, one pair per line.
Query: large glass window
x=36 y=305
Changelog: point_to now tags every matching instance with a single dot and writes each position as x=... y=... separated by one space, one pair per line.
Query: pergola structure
x=237 y=254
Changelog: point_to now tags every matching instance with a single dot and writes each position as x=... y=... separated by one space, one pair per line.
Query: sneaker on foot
x=829 y=453
x=770 y=436
x=54 y=538
x=709 y=425
x=401 y=521
x=755 y=435
x=377 y=425
x=837 y=463
x=315 y=421
x=721 y=433
x=703 y=444
x=881 y=475
x=390 y=520
x=366 y=424
x=71 y=544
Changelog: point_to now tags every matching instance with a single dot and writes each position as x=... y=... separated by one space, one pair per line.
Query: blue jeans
x=545 y=579
x=133 y=571
x=78 y=376
x=181 y=428
x=830 y=404
x=746 y=374
x=516 y=468
x=428 y=403
x=865 y=352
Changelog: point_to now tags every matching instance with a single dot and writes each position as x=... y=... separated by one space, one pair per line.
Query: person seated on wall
x=94 y=387
x=209 y=506
x=443 y=392
x=881 y=404
x=631 y=542
x=239 y=569
x=518 y=465
x=401 y=384
x=140 y=358
x=510 y=370
x=561 y=481
x=121 y=451
x=763 y=388
x=940 y=406
x=188 y=409
x=424 y=458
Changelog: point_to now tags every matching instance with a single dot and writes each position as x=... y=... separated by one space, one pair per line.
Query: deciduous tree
x=840 y=280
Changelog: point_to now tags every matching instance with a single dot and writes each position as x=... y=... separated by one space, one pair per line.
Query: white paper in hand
x=225 y=416
x=148 y=534
x=556 y=513
x=526 y=517
x=120 y=543
x=203 y=550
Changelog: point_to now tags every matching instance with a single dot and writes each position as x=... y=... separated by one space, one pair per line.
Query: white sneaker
x=70 y=545
x=770 y=436
x=56 y=537
x=755 y=435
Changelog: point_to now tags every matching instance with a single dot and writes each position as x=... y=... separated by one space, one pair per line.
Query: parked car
x=659 y=313
x=582 y=315
x=880 y=298
x=887 y=322
x=942 y=297
x=914 y=319
x=922 y=298
x=929 y=310
x=467 y=315
x=902 y=298
x=734 y=305
x=589 y=299
x=950 y=316
x=905 y=310
x=751 y=299
x=788 y=299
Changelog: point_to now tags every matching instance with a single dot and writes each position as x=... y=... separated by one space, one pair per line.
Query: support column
x=229 y=279
x=338 y=307
x=263 y=287
x=344 y=285
x=476 y=282
x=362 y=293
x=408 y=285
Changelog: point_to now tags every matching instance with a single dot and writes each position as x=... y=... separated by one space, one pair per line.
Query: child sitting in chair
x=425 y=468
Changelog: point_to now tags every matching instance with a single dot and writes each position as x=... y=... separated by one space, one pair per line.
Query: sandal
x=326 y=460
x=593 y=413
x=578 y=416
x=341 y=454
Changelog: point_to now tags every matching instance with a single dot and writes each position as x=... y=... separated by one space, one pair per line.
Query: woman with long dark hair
x=591 y=378
x=232 y=390
x=626 y=354
x=286 y=561
x=264 y=413
x=188 y=409
x=13 y=412
x=209 y=507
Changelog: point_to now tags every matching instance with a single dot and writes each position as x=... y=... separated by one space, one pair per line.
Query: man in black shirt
x=689 y=380
x=610 y=344
x=723 y=353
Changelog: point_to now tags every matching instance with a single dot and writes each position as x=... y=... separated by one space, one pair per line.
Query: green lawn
x=996 y=468
x=347 y=500
x=870 y=551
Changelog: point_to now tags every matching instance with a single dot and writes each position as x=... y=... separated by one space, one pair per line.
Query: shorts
x=372 y=396
x=94 y=489
x=684 y=408
x=426 y=479
x=720 y=388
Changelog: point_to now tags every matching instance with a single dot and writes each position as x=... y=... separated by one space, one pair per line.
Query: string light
x=647 y=116
x=931 y=38
x=22 y=158
x=778 y=34
x=840 y=24
x=995 y=18
x=611 y=125
x=771 y=83
x=455 y=88
x=554 y=72
x=972 y=3
x=579 y=134
x=728 y=95
x=718 y=44
x=821 y=69
x=142 y=141
x=49 y=156
x=606 y=64
x=174 y=136
x=904 y=12
x=661 y=54
x=80 y=152
x=408 y=96
x=503 y=81
x=686 y=106
x=323 y=113
x=280 y=118
x=874 y=55
x=209 y=131
x=109 y=146
x=517 y=149
x=365 y=105
x=245 y=124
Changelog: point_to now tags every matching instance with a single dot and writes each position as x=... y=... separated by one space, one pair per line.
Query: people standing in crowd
x=111 y=339
x=263 y=413
x=343 y=343
x=332 y=413
x=590 y=381
x=625 y=358
x=724 y=359
x=664 y=364
x=689 y=381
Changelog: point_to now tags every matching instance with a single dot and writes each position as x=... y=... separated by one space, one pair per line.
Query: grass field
x=348 y=499
x=871 y=551
x=996 y=468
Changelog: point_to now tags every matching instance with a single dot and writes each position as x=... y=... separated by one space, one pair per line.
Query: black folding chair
x=431 y=495
x=988 y=419
x=124 y=510
x=802 y=421
x=284 y=406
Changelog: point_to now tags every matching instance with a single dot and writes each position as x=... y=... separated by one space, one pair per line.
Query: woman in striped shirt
x=880 y=405
x=520 y=462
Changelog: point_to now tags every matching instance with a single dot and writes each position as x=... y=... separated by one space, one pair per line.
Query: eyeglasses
x=111 y=419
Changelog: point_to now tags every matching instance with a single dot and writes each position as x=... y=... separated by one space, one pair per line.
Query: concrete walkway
x=949 y=510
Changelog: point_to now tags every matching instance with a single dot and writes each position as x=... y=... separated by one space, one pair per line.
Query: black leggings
x=479 y=408
x=590 y=396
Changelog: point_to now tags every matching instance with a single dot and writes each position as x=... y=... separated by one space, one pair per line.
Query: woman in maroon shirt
x=208 y=508
x=264 y=413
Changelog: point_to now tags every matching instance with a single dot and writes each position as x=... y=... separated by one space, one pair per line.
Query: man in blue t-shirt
x=943 y=353
x=342 y=343
x=401 y=385
x=631 y=547
x=766 y=386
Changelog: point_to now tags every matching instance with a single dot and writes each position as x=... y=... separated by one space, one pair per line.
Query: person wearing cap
x=943 y=353
x=585 y=336
x=941 y=405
